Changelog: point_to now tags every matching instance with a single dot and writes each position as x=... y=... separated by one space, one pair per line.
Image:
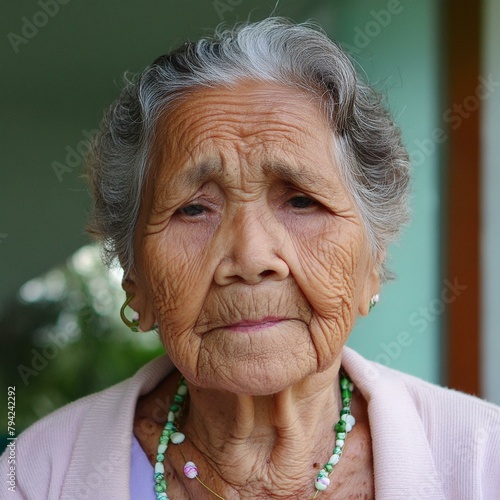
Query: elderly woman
x=249 y=185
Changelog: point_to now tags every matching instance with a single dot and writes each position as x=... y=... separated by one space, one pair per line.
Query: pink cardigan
x=428 y=442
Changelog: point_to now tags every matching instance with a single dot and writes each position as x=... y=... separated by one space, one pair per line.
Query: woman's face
x=250 y=252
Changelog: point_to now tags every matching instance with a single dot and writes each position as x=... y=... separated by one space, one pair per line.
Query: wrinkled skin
x=252 y=258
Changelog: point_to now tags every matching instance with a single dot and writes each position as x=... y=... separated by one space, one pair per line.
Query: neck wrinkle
x=266 y=439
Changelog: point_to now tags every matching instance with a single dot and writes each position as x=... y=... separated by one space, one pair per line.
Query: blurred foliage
x=63 y=337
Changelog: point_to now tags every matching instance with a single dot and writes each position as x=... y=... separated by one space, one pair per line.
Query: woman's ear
x=371 y=286
x=139 y=302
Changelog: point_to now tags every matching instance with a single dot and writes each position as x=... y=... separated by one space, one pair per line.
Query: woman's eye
x=192 y=210
x=301 y=202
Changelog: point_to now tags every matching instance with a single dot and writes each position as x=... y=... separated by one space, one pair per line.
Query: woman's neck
x=265 y=442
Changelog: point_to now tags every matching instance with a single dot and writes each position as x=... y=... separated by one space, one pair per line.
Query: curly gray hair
x=373 y=161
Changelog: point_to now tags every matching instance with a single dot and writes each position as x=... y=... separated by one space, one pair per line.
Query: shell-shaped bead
x=177 y=438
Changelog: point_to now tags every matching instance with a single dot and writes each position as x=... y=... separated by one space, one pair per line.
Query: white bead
x=162 y=448
x=339 y=443
x=351 y=387
x=159 y=468
x=348 y=427
x=350 y=420
x=334 y=459
x=177 y=437
x=182 y=390
x=321 y=483
x=171 y=416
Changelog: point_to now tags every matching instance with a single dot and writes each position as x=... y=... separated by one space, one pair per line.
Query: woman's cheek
x=178 y=276
x=323 y=270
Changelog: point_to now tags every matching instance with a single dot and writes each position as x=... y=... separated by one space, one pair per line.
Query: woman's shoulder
x=79 y=434
x=427 y=438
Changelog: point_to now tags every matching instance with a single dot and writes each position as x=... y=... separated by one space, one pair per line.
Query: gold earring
x=134 y=324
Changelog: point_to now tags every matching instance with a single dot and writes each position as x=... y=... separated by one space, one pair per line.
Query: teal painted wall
x=491 y=205
x=397 y=45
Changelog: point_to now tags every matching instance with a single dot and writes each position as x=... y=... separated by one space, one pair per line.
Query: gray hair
x=373 y=161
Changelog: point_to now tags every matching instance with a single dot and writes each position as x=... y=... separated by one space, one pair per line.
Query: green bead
x=345 y=411
x=164 y=439
x=328 y=467
x=346 y=401
x=346 y=394
x=337 y=451
x=178 y=398
x=344 y=383
x=171 y=426
x=175 y=408
x=340 y=426
x=159 y=488
x=158 y=477
x=160 y=457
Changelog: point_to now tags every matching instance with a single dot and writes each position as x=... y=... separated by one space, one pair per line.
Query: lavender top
x=141 y=474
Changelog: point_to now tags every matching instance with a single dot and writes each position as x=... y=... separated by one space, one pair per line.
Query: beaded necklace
x=171 y=434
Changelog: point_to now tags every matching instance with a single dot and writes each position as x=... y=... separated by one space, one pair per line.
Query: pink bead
x=190 y=470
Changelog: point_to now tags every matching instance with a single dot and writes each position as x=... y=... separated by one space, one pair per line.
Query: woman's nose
x=251 y=252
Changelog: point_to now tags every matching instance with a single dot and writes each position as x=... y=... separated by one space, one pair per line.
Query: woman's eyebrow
x=298 y=175
x=200 y=173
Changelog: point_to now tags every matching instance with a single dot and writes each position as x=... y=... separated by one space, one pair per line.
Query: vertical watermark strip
x=11 y=438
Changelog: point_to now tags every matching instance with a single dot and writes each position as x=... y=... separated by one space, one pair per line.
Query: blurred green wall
x=61 y=78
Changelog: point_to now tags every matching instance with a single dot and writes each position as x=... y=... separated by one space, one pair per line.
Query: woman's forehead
x=253 y=123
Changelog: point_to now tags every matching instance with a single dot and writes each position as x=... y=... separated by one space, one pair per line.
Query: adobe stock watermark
x=31 y=26
x=74 y=155
x=419 y=321
x=454 y=116
x=58 y=339
x=41 y=357
x=459 y=458
x=222 y=7
x=103 y=469
x=380 y=19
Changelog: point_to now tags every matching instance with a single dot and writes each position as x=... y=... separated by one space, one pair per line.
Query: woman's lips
x=252 y=326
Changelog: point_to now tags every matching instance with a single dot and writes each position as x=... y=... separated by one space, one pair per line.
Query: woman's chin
x=261 y=363
x=255 y=377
